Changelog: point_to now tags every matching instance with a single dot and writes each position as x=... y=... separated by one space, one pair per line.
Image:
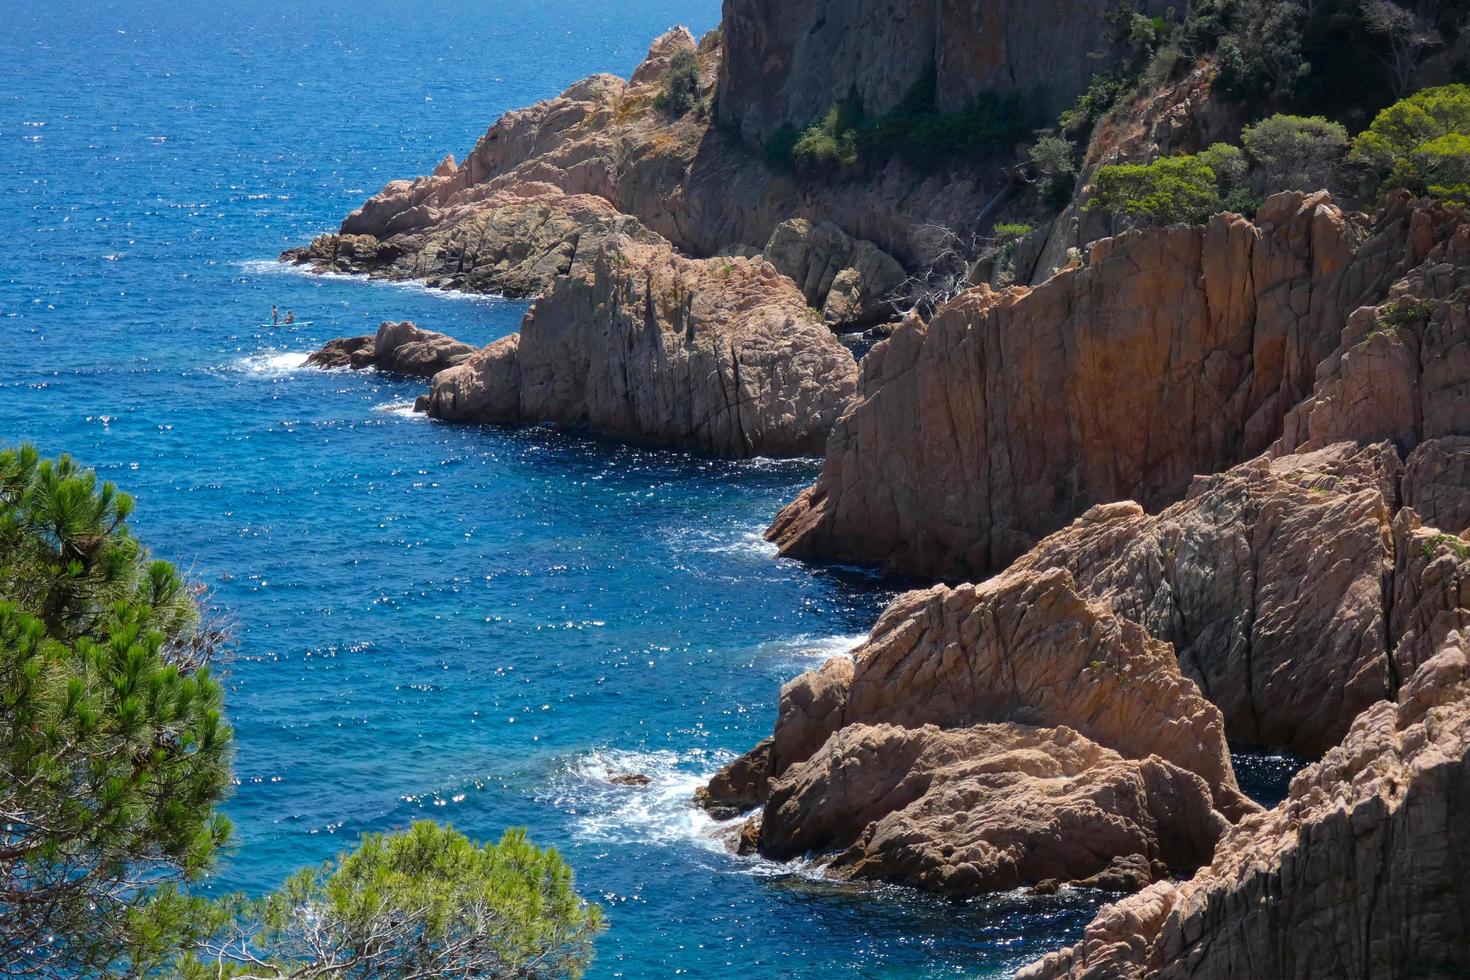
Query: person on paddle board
x=275 y=316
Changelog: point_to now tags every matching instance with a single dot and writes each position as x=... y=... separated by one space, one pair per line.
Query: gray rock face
x=1358 y=875
x=398 y=348
x=853 y=283
x=637 y=342
x=788 y=62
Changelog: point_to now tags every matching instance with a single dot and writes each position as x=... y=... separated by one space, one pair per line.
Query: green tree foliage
x=1170 y=190
x=1295 y=153
x=425 y=903
x=1054 y=158
x=682 y=90
x=1421 y=143
x=113 y=751
x=847 y=140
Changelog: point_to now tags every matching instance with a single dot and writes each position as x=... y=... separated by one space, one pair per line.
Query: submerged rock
x=720 y=355
x=397 y=348
x=1357 y=875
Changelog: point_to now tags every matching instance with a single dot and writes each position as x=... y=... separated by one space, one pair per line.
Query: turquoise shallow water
x=470 y=624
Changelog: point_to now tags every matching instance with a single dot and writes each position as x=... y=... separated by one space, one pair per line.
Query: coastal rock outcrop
x=1269 y=580
x=1359 y=874
x=1170 y=353
x=638 y=342
x=988 y=808
x=1023 y=650
x=397 y=348
x=514 y=243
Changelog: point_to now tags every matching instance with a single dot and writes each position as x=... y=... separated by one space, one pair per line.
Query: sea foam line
x=274 y=267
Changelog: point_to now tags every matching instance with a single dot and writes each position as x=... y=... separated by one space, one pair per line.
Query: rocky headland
x=1187 y=486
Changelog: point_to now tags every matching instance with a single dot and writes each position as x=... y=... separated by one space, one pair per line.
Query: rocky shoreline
x=1200 y=485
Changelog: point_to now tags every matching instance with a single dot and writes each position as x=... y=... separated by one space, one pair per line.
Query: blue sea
x=475 y=625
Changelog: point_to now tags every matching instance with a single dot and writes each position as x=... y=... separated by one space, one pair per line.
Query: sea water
x=474 y=625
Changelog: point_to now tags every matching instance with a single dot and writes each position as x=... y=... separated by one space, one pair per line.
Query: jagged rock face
x=788 y=62
x=1359 y=874
x=1170 y=353
x=514 y=243
x=853 y=283
x=604 y=138
x=987 y=808
x=1022 y=648
x=637 y=342
x=1268 y=580
x=397 y=348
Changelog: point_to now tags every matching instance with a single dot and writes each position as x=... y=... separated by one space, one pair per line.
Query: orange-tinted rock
x=397 y=348
x=988 y=808
x=1022 y=648
x=1172 y=352
x=1359 y=874
x=637 y=342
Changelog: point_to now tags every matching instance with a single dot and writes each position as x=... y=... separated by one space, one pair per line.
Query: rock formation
x=1358 y=875
x=397 y=348
x=863 y=759
x=852 y=283
x=988 y=808
x=787 y=63
x=1169 y=353
x=638 y=342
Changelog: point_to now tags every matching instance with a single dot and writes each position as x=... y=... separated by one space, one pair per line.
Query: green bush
x=1303 y=153
x=1170 y=190
x=1421 y=143
x=682 y=88
x=424 y=903
x=1054 y=158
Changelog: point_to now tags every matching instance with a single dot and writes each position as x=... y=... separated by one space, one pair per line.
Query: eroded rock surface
x=397 y=348
x=1170 y=353
x=1358 y=875
x=638 y=342
x=846 y=771
x=988 y=808
x=853 y=283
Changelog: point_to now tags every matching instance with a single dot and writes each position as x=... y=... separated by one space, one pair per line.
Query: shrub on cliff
x=681 y=87
x=1295 y=153
x=1421 y=143
x=425 y=903
x=1168 y=191
x=113 y=751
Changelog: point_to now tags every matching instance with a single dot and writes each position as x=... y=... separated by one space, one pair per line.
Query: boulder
x=1170 y=353
x=637 y=342
x=853 y=283
x=1359 y=874
x=988 y=808
x=661 y=55
x=398 y=348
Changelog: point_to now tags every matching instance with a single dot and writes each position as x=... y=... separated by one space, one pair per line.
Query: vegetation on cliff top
x=1420 y=144
x=114 y=754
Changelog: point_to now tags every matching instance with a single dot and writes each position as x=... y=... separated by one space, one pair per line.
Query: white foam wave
x=815 y=648
x=273 y=364
x=748 y=543
x=273 y=267
x=662 y=812
x=400 y=409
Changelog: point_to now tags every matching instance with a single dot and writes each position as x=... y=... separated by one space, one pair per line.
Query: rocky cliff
x=641 y=343
x=787 y=63
x=1167 y=354
x=1359 y=874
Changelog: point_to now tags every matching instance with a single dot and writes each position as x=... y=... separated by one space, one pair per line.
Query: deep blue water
x=470 y=624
